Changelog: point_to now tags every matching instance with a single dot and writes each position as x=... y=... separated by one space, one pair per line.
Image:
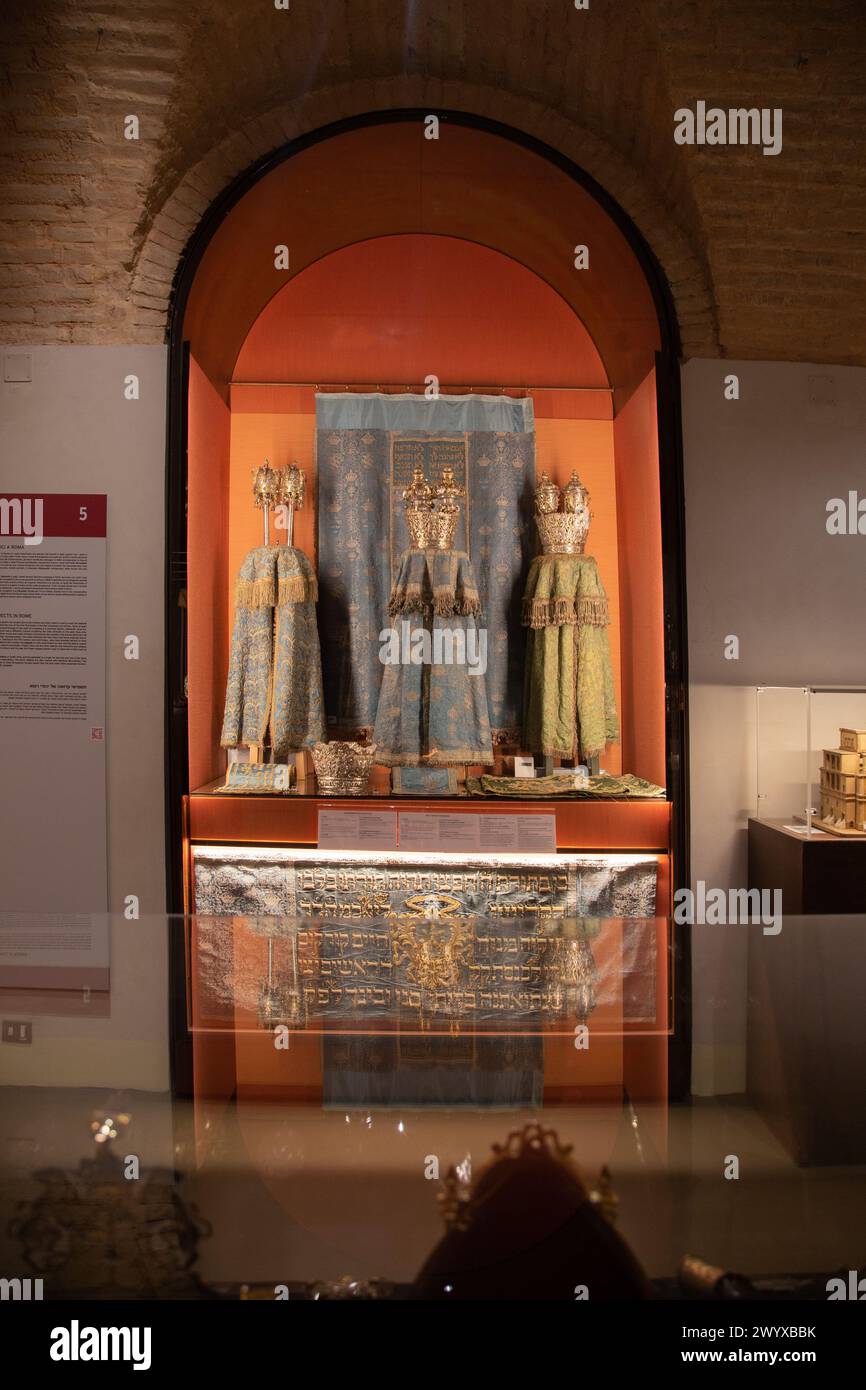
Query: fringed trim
x=443 y=605
x=254 y=593
x=446 y=606
x=297 y=588
x=461 y=601
x=452 y=757
x=443 y=757
x=565 y=612
x=593 y=612
x=408 y=600
x=259 y=593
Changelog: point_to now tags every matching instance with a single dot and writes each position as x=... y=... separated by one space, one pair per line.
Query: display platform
x=293 y=819
x=806 y=1064
x=817 y=873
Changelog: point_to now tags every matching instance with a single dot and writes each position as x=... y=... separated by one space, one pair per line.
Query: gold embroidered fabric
x=628 y=787
x=569 y=706
x=274 y=684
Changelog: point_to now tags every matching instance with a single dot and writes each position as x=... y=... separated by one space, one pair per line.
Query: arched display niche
x=358 y=205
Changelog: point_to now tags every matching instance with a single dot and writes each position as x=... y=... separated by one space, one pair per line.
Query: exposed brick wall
x=765 y=256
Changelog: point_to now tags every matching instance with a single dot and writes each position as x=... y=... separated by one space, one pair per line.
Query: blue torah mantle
x=433 y=698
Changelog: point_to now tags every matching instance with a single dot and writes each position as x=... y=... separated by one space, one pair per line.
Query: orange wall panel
x=282 y=439
x=387 y=181
x=209 y=576
x=397 y=308
x=635 y=434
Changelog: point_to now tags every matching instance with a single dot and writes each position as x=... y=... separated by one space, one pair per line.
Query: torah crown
x=562 y=532
x=432 y=512
x=342 y=768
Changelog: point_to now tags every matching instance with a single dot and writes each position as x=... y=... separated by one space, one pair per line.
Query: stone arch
x=164 y=232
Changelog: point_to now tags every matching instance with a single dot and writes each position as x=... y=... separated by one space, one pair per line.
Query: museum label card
x=53 y=704
x=357 y=829
x=431 y=830
x=498 y=833
x=494 y=833
x=804 y=830
x=537 y=833
x=54 y=950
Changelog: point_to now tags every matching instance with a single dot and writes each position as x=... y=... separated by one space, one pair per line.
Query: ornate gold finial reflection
x=104 y=1126
x=575 y=970
x=454 y=1201
x=698 y=1278
x=534 y=1138
x=434 y=951
x=604 y=1197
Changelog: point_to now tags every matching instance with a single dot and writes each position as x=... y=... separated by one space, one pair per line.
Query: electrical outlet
x=14 y=1031
x=17 y=366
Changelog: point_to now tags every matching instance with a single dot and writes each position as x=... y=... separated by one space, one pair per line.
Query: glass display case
x=353 y=1083
x=810 y=757
x=429 y=1008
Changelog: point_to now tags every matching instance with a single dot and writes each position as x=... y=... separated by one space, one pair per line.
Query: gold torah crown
x=432 y=512
x=562 y=532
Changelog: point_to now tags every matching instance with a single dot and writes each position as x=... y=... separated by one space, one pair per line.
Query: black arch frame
x=673 y=556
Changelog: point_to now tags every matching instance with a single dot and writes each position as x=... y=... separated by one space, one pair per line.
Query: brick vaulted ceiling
x=766 y=257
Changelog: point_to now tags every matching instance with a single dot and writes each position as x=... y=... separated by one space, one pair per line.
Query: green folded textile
x=594 y=789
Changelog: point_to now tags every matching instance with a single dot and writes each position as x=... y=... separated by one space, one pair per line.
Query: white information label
x=804 y=830
x=537 y=833
x=52 y=708
x=56 y=951
x=357 y=829
x=491 y=833
x=498 y=833
x=431 y=830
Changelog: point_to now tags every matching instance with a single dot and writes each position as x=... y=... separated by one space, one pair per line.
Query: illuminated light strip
x=417 y=856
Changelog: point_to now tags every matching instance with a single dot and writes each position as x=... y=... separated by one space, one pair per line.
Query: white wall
x=70 y=430
x=760 y=565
